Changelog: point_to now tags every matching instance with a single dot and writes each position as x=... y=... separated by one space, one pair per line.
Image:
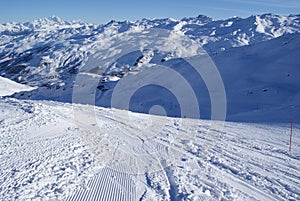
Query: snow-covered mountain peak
x=275 y=25
x=45 y=24
x=200 y=19
x=51 y=20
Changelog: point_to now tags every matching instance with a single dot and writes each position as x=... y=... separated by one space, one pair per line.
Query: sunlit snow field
x=46 y=155
x=61 y=140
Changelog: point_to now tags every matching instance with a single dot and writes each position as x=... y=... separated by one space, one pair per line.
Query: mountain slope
x=45 y=50
x=256 y=56
x=260 y=81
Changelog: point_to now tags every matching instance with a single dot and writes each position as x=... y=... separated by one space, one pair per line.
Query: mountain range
x=256 y=58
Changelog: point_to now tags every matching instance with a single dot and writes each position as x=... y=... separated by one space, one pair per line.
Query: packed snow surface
x=57 y=151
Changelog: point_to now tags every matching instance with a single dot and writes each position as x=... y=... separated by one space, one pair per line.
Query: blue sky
x=94 y=11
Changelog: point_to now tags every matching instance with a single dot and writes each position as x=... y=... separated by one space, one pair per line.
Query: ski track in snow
x=44 y=156
x=108 y=185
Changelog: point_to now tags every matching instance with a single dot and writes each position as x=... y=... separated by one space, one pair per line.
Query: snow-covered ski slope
x=52 y=151
x=61 y=140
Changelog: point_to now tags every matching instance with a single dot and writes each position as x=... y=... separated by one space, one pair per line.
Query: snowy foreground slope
x=57 y=151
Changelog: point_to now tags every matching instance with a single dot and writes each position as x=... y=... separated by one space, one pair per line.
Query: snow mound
x=9 y=87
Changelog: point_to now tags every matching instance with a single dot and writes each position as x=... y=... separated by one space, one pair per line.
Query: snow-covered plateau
x=155 y=109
